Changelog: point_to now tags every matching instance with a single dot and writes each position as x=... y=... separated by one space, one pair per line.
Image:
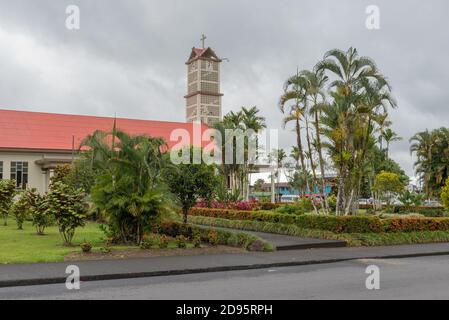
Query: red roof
x=49 y=131
x=199 y=51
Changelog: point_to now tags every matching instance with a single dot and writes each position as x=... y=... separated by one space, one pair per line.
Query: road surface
x=417 y=278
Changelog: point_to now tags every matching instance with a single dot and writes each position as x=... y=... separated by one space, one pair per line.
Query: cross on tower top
x=203 y=39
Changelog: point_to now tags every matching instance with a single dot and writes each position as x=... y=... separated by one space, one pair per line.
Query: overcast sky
x=128 y=57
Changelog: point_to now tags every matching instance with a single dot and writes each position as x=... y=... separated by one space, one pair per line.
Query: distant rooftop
x=53 y=132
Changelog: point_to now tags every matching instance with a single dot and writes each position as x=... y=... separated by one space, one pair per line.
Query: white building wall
x=37 y=178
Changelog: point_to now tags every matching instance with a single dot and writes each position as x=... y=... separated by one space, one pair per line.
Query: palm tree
x=296 y=115
x=359 y=93
x=390 y=136
x=432 y=164
x=130 y=186
x=251 y=121
x=248 y=121
x=422 y=144
x=384 y=123
x=315 y=83
x=296 y=155
x=349 y=68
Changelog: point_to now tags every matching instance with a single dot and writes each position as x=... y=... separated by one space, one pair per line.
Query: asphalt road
x=417 y=278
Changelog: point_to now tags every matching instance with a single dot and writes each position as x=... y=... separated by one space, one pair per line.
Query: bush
x=181 y=241
x=353 y=240
x=24 y=206
x=305 y=204
x=212 y=236
x=290 y=209
x=445 y=194
x=163 y=241
x=7 y=193
x=39 y=215
x=432 y=213
x=69 y=208
x=149 y=241
x=196 y=241
x=268 y=206
x=105 y=250
x=86 y=247
x=332 y=202
x=336 y=224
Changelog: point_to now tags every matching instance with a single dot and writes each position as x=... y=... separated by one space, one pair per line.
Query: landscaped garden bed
x=355 y=230
x=25 y=246
x=336 y=224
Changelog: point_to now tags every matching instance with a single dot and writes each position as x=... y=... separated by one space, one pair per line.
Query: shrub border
x=244 y=240
x=353 y=240
x=335 y=224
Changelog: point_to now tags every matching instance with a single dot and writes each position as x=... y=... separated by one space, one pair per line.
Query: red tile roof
x=199 y=51
x=48 y=131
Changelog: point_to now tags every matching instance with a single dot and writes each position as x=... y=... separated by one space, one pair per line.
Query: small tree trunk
x=185 y=214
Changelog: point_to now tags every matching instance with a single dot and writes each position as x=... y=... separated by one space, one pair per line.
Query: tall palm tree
x=390 y=136
x=357 y=79
x=422 y=144
x=251 y=121
x=296 y=115
x=432 y=164
x=384 y=123
x=314 y=83
x=296 y=155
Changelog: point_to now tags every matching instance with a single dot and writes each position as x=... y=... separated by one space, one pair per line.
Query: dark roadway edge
x=134 y=275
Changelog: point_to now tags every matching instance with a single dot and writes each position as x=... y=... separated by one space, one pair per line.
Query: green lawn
x=24 y=246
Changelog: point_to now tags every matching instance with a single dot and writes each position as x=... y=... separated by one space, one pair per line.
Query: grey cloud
x=128 y=58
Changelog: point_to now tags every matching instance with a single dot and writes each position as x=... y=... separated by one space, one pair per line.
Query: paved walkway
x=33 y=274
x=285 y=242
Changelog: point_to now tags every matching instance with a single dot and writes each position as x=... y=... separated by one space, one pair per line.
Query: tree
x=69 y=208
x=258 y=185
x=317 y=100
x=389 y=136
x=190 y=183
x=129 y=187
x=82 y=174
x=388 y=185
x=39 y=214
x=7 y=193
x=411 y=199
x=24 y=206
x=300 y=180
x=246 y=122
x=445 y=194
x=360 y=96
x=60 y=173
x=431 y=149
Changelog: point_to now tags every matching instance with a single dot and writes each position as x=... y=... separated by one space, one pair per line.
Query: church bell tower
x=203 y=99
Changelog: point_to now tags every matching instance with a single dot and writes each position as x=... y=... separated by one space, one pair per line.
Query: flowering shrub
x=336 y=224
x=240 y=205
x=213 y=236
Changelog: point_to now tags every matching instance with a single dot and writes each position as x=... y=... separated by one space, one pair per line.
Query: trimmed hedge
x=336 y=224
x=403 y=209
x=233 y=239
x=352 y=239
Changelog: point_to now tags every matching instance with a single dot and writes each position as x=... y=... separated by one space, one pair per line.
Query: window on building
x=1 y=170
x=19 y=173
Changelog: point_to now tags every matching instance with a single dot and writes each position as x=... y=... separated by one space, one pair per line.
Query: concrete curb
x=133 y=275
